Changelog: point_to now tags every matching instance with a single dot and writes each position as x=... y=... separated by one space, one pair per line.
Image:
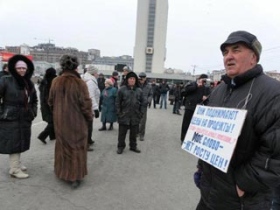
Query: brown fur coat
x=69 y=99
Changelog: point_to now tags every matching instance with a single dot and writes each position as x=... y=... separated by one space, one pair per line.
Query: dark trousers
x=186 y=122
x=155 y=101
x=176 y=106
x=90 y=123
x=48 y=131
x=142 y=125
x=276 y=199
x=134 y=129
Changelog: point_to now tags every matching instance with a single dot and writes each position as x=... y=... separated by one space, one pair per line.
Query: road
x=159 y=178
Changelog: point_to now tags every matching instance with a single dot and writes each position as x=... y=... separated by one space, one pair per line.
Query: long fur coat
x=71 y=105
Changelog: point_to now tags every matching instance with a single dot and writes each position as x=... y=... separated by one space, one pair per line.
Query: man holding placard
x=254 y=167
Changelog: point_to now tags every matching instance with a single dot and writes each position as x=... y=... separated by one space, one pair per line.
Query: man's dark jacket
x=147 y=93
x=130 y=104
x=193 y=95
x=255 y=164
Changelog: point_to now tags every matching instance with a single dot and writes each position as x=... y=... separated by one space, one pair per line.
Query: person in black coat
x=156 y=94
x=130 y=109
x=44 y=89
x=17 y=110
x=254 y=168
x=101 y=82
x=5 y=70
x=194 y=93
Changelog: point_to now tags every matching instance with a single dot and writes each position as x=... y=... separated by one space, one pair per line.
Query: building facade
x=150 y=40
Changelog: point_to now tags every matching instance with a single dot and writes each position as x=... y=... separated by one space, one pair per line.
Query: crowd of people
x=70 y=102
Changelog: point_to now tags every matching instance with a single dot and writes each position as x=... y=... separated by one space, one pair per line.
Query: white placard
x=213 y=134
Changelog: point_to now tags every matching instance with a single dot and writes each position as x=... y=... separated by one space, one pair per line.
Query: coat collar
x=243 y=78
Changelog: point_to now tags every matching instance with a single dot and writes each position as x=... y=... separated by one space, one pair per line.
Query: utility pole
x=194 y=66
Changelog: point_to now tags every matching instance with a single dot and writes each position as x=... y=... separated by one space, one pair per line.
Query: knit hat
x=21 y=64
x=115 y=73
x=245 y=37
x=131 y=74
x=50 y=72
x=203 y=76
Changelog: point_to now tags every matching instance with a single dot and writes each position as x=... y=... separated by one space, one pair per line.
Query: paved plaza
x=159 y=178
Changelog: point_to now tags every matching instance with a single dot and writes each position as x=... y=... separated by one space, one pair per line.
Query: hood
x=132 y=74
x=12 y=63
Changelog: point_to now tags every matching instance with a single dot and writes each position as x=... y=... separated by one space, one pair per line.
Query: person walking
x=17 y=111
x=147 y=94
x=130 y=109
x=44 y=89
x=108 y=105
x=254 y=169
x=156 y=94
x=163 y=88
x=177 y=99
x=72 y=111
x=90 y=78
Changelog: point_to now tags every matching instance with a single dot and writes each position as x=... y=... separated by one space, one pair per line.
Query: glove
x=96 y=113
x=197 y=177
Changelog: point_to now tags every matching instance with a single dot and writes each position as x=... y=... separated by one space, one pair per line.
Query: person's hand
x=204 y=98
x=96 y=113
x=197 y=177
x=239 y=191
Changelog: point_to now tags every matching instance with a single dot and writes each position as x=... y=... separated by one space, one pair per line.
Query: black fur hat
x=25 y=81
x=69 y=62
x=12 y=64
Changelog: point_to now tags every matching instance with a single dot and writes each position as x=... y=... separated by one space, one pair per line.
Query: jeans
x=163 y=100
x=176 y=107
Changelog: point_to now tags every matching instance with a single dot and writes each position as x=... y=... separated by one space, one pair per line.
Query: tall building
x=150 y=42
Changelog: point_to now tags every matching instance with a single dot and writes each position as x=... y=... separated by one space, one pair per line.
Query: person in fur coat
x=18 y=109
x=72 y=111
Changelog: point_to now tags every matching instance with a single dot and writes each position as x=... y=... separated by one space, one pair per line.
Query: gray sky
x=196 y=28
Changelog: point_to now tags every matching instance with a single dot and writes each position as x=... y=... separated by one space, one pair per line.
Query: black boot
x=42 y=138
x=111 y=126
x=103 y=128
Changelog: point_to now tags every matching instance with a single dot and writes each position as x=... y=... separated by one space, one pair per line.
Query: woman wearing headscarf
x=72 y=111
x=44 y=89
x=18 y=108
x=108 y=105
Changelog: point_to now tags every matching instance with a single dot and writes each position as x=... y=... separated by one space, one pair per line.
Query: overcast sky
x=196 y=28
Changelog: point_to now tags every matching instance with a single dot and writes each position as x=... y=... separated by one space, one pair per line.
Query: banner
x=7 y=55
x=213 y=134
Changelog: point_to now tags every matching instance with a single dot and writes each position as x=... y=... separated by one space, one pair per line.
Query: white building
x=150 y=41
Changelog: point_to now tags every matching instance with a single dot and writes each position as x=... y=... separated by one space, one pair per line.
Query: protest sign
x=213 y=133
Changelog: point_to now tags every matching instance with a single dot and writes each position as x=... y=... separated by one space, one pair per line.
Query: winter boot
x=15 y=170
x=103 y=128
x=111 y=126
